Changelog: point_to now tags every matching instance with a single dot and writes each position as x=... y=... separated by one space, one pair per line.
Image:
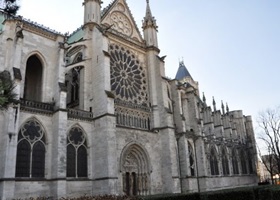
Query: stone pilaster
x=169 y=162
x=104 y=160
x=59 y=157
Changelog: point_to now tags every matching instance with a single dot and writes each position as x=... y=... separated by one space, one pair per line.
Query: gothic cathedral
x=95 y=114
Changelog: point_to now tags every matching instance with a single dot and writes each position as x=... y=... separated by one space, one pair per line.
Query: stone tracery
x=135 y=168
x=128 y=77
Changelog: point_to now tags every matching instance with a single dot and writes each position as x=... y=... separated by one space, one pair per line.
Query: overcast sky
x=231 y=47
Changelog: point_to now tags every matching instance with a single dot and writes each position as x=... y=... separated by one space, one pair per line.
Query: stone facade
x=96 y=115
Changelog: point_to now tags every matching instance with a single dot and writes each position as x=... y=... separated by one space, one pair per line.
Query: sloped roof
x=111 y=6
x=2 y=18
x=182 y=72
x=76 y=36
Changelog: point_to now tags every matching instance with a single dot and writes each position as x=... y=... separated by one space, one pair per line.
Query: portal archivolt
x=135 y=168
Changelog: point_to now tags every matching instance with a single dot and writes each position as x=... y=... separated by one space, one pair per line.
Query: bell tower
x=92 y=11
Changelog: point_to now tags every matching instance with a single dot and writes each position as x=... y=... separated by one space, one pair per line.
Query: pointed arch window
x=78 y=57
x=225 y=162
x=77 y=159
x=31 y=148
x=250 y=163
x=243 y=162
x=235 y=163
x=33 y=79
x=73 y=87
x=214 y=167
x=191 y=160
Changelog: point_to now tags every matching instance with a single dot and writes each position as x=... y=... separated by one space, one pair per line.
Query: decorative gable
x=119 y=18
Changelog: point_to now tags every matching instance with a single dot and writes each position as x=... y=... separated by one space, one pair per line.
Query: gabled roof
x=113 y=7
x=182 y=72
x=79 y=33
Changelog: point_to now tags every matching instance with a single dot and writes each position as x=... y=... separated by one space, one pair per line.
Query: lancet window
x=191 y=160
x=33 y=79
x=243 y=162
x=235 y=163
x=31 y=148
x=225 y=162
x=73 y=87
x=77 y=159
x=214 y=166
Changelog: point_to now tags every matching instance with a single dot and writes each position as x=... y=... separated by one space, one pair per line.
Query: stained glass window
x=243 y=162
x=191 y=159
x=214 y=167
x=128 y=76
x=76 y=153
x=31 y=151
x=225 y=163
x=234 y=163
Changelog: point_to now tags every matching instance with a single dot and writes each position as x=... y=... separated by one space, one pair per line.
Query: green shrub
x=248 y=193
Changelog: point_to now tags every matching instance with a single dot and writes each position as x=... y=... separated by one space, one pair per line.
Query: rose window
x=128 y=77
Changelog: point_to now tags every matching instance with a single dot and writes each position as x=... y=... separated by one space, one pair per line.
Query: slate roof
x=182 y=72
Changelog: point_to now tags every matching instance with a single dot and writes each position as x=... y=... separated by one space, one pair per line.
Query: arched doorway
x=33 y=79
x=135 y=168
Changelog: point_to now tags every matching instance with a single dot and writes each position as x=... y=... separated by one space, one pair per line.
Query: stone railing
x=35 y=106
x=79 y=114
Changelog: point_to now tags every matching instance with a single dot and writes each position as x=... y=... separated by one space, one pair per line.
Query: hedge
x=249 y=193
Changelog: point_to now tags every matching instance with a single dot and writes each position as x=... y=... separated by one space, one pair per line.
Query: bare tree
x=269 y=122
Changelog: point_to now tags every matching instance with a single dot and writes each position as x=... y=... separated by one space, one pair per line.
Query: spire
x=214 y=104
x=182 y=72
x=223 y=108
x=204 y=98
x=227 y=108
x=149 y=20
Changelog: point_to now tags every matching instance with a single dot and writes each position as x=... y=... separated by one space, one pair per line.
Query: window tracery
x=214 y=167
x=225 y=162
x=76 y=153
x=129 y=85
x=191 y=160
x=73 y=87
x=31 y=150
x=128 y=76
x=135 y=169
x=243 y=162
